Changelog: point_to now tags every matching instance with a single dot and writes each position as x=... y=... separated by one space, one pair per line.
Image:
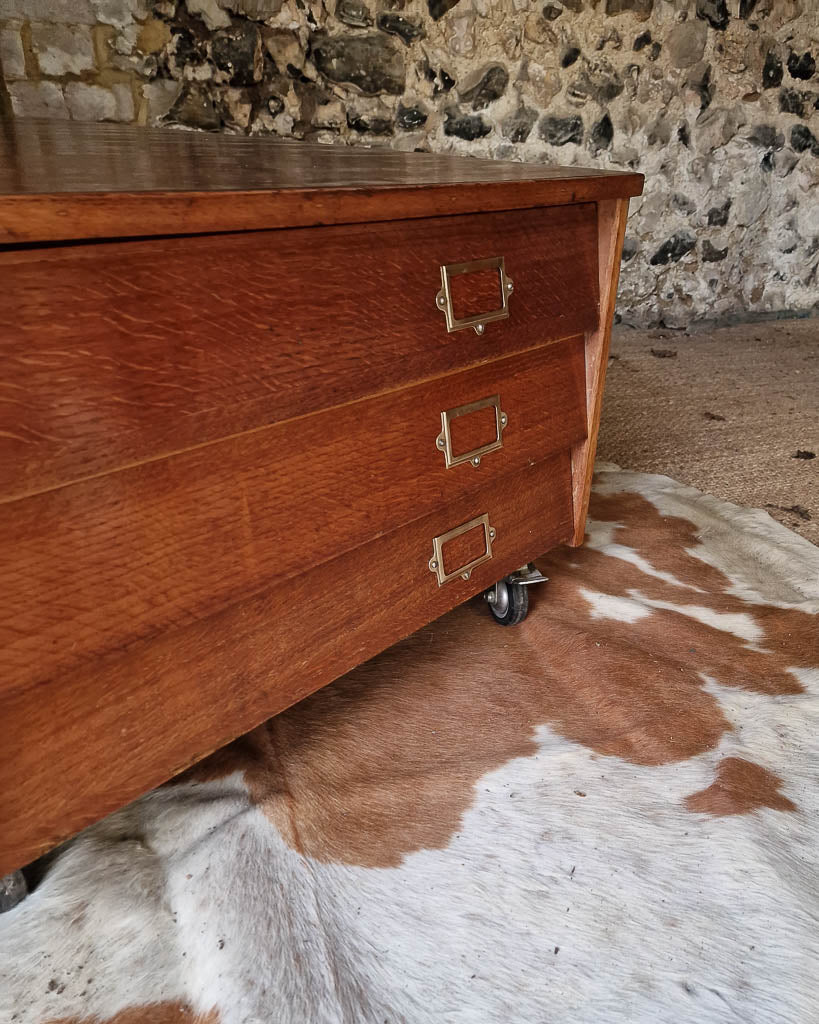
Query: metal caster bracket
x=527 y=575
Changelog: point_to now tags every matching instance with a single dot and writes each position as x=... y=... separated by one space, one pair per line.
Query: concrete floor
x=724 y=409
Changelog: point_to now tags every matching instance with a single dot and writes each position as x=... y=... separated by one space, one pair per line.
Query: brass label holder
x=436 y=563
x=444 y=440
x=443 y=300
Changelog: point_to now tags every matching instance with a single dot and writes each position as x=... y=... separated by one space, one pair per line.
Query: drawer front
x=88 y=568
x=106 y=724
x=118 y=353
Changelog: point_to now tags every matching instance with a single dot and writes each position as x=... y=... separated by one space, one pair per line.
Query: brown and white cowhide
x=608 y=814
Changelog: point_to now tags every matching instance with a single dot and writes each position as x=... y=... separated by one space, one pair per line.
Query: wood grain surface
x=219 y=482
x=73 y=181
x=97 y=565
x=114 y=354
x=87 y=741
x=611 y=220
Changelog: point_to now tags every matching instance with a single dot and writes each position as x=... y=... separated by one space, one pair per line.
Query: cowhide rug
x=607 y=814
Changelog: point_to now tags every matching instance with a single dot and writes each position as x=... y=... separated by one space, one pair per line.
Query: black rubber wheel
x=12 y=890
x=509 y=603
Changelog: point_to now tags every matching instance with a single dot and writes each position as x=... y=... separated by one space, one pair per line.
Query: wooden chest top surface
x=61 y=181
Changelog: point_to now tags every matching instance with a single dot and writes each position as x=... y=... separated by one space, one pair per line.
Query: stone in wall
x=485 y=87
x=716 y=101
x=597 y=81
x=641 y=8
x=772 y=71
x=411 y=118
x=37 y=99
x=62 y=49
x=210 y=12
x=118 y=13
x=194 y=107
x=686 y=43
x=465 y=126
x=517 y=127
x=801 y=66
x=718 y=215
x=710 y=254
x=237 y=51
x=95 y=103
x=12 y=58
x=558 y=131
x=370 y=62
x=602 y=133
x=438 y=8
x=58 y=12
x=354 y=13
x=673 y=249
x=715 y=12
x=407 y=29
x=803 y=140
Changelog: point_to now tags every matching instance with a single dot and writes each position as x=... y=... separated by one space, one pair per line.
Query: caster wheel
x=12 y=890
x=508 y=602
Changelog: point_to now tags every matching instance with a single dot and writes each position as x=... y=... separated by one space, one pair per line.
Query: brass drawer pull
x=444 y=440
x=436 y=563
x=444 y=297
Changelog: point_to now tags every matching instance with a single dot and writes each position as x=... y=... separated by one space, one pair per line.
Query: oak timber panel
x=611 y=226
x=117 y=353
x=87 y=741
x=105 y=562
x=49 y=157
x=75 y=181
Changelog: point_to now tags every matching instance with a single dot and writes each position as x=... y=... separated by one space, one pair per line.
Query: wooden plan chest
x=266 y=408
